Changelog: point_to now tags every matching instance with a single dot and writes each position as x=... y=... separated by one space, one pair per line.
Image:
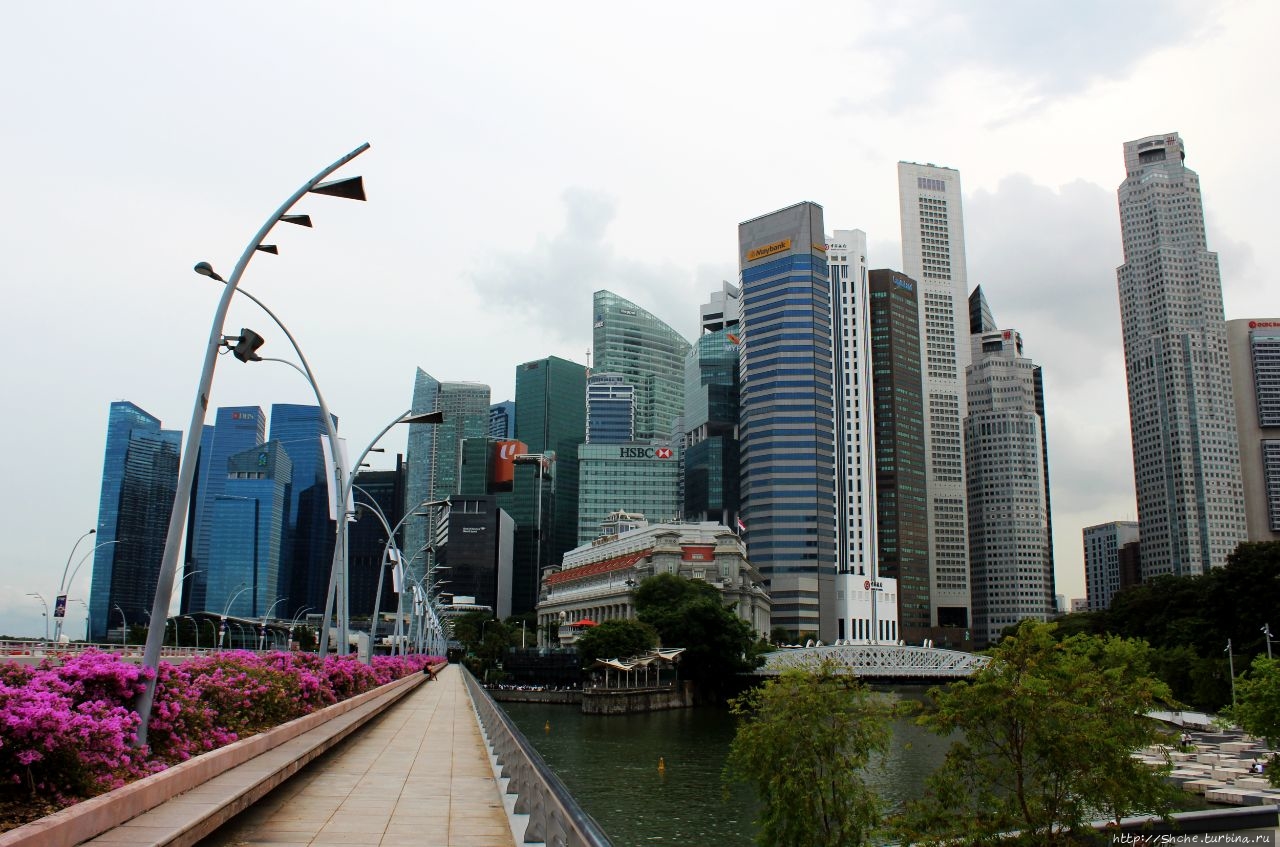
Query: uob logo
x=508 y=450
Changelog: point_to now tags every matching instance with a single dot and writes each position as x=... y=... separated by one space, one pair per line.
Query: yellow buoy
x=547 y=728
x=662 y=765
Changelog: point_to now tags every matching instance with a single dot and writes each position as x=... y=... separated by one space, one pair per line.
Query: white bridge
x=876 y=661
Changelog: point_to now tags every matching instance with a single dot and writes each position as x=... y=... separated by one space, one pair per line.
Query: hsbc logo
x=645 y=452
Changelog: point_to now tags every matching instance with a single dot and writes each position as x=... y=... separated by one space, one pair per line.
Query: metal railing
x=555 y=818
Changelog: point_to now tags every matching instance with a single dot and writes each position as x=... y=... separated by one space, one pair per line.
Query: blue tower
x=307 y=554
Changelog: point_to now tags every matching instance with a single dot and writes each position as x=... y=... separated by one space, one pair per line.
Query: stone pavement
x=419 y=775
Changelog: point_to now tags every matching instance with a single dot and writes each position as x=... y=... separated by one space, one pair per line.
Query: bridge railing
x=555 y=818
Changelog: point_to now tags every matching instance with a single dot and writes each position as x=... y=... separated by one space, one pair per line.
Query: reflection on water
x=610 y=764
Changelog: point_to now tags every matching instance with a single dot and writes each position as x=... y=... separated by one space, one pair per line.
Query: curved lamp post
x=87 y=629
x=262 y=636
x=293 y=623
x=124 y=627
x=226 y=610
x=45 y=613
x=70 y=580
x=62 y=586
x=351 y=188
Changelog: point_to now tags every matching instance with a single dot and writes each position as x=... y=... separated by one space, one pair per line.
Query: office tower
x=248 y=529
x=611 y=404
x=1186 y=457
x=723 y=309
x=367 y=537
x=1254 y=349
x=502 y=420
x=856 y=551
x=636 y=478
x=139 y=476
x=787 y=418
x=235 y=429
x=479 y=553
x=433 y=458
x=933 y=255
x=902 y=515
x=711 y=467
x=1010 y=545
x=648 y=354
x=551 y=422
x=1102 y=546
x=307 y=556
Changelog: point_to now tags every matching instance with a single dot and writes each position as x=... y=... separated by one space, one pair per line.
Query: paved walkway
x=419 y=775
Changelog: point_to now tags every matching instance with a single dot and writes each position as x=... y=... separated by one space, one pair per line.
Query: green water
x=610 y=765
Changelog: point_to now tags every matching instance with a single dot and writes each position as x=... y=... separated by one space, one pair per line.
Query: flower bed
x=67 y=731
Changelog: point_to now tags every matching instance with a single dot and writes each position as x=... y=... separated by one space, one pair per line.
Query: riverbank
x=1218 y=765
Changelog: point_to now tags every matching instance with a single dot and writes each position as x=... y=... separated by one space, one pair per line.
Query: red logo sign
x=866 y=585
x=662 y=453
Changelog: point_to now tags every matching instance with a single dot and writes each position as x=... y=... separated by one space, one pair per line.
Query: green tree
x=615 y=639
x=1257 y=708
x=691 y=614
x=1047 y=731
x=803 y=741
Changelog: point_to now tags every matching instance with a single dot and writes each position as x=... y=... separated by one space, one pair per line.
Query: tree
x=691 y=614
x=615 y=639
x=1257 y=708
x=1047 y=729
x=803 y=741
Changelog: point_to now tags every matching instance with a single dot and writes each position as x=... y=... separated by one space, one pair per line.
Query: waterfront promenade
x=419 y=775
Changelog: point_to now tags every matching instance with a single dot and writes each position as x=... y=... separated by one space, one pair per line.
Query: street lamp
x=262 y=636
x=293 y=623
x=62 y=587
x=87 y=629
x=351 y=188
x=70 y=580
x=195 y=625
x=124 y=627
x=45 y=613
x=226 y=610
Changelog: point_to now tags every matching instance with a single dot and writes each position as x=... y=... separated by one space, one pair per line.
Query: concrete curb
x=90 y=818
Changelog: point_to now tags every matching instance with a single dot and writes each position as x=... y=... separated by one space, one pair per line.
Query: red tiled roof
x=618 y=563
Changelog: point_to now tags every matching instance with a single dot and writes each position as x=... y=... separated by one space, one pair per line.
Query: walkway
x=419 y=775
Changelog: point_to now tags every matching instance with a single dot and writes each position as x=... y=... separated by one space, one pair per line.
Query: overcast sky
x=525 y=155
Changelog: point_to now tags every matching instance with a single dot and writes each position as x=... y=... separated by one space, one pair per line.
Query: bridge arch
x=877 y=661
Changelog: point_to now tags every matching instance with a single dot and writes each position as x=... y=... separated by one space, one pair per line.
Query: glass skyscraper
x=711 y=421
x=235 y=429
x=307 y=556
x=139 y=477
x=367 y=537
x=787 y=420
x=502 y=420
x=633 y=478
x=611 y=407
x=249 y=521
x=648 y=354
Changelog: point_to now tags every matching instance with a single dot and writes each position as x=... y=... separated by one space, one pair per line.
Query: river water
x=610 y=765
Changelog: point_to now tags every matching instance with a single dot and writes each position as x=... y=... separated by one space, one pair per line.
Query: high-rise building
x=551 y=422
x=711 y=466
x=433 y=453
x=611 y=409
x=235 y=429
x=902 y=515
x=1254 y=349
x=139 y=477
x=1010 y=544
x=1186 y=456
x=857 y=556
x=307 y=557
x=648 y=354
x=367 y=538
x=1102 y=572
x=933 y=255
x=634 y=478
x=502 y=420
x=723 y=309
x=787 y=417
x=247 y=534
x=479 y=553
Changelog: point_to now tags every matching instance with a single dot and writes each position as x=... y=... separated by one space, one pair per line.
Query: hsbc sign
x=645 y=453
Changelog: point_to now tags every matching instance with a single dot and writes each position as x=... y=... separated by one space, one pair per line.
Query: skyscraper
x=139 y=476
x=635 y=478
x=1254 y=347
x=235 y=429
x=502 y=420
x=857 y=555
x=902 y=515
x=1010 y=545
x=711 y=400
x=611 y=409
x=248 y=530
x=307 y=555
x=933 y=255
x=1186 y=456
x=367 y=537
x=647 y=354
x=787 y=417
x=1102 y=572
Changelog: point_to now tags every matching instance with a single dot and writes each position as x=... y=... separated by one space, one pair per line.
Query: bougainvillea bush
x=68 y=730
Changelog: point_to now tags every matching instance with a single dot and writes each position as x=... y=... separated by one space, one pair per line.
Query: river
x=610 y=764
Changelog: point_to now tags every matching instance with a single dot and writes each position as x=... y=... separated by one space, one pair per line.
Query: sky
x=526 y=155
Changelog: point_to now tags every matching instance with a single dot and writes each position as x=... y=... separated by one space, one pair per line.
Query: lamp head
x=206 y=269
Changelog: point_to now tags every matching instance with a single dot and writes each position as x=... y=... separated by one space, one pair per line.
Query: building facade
x=933 y=254
x=1254 y=349
x=595 y=581
x=902 y=514
x=1102 y=571
x=139 y=477
x=787 y=416
x=479 y=554
x=633 y=477
x=502 y=420
x=307 y=556
x=611 y=409
x=367 y=538
x=1186 y=455
x=711 y=401
x=646 y=353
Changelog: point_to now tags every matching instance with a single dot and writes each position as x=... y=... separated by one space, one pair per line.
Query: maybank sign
x=769 y=250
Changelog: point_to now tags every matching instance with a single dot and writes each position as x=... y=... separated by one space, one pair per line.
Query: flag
x=741 y=526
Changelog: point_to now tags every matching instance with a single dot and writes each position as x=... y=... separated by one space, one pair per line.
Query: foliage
x=467 y=629
x=803 y=741
x=1048 y=728
x=620 y=638
x=690 y=613
x=1257 y=708
x=781 y=635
